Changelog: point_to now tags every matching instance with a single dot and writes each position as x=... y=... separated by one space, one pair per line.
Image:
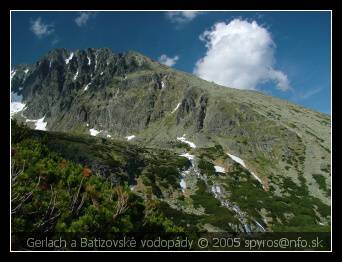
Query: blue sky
x=283 y=54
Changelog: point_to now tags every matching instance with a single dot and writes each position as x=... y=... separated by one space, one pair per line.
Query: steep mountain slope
x=274 y=149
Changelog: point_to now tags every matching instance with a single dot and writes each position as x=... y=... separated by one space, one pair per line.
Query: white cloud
x=181 y=17
x=309 y=93
x=40 y=29
x=83 y=17
x=240 y=54
x=280 y=79
x=169 y=61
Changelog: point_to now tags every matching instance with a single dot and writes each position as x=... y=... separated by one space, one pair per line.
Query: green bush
x=51 y=194
x=320 y=180
x=206 y=167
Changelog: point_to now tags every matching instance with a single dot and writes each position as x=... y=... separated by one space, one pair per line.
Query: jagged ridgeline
x=213 y=157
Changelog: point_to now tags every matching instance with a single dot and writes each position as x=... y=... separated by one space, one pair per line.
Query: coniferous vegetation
x=52 y=194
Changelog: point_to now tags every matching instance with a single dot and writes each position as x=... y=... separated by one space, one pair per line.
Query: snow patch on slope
x=188 y=156
x=13 y=72
x=39 y=123
x=256 y=177
x=95 y=62
x=183 y=139
x=69 y=58
x=260 y=226
x=130 y=137
x=16 y=103
x=216 y=191
x=238 y=160
x=86 y=87
x=241 y=162
x=94 y=132
x=183 y=185
x=182 y=182
x=76 y=75
x=176 y=108
x=187 y=172
x=219 y=169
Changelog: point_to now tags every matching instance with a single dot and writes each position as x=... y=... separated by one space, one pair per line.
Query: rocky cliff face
x=131 y=97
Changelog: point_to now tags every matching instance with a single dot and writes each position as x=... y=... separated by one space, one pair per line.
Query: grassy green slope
x=150 y=177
